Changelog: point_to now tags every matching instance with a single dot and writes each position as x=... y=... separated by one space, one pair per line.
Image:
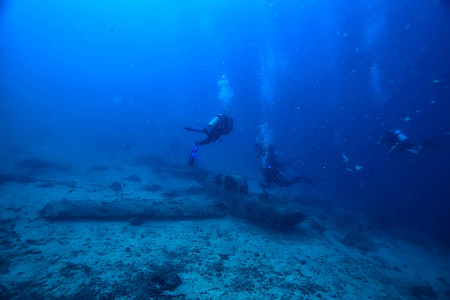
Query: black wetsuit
x=271 y=171
x=223 y=127
x=271 y=159
x=272 y=175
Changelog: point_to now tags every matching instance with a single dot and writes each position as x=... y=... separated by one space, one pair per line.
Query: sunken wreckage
x=224 y=195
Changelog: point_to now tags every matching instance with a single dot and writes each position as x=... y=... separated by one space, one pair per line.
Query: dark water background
x=84 y=77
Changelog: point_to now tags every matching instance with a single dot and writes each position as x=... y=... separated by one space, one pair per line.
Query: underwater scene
x=260 y=149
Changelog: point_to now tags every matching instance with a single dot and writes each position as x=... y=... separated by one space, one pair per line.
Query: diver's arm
x=413 y=151
x=381 y=139
x=393 y=148
x=195 y=130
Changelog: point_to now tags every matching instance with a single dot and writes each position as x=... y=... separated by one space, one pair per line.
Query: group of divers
x=272 y=167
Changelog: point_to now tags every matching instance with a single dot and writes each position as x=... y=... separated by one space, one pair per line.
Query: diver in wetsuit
x=271 y=167
x=272 y=175
x=269 y=155
x=221 y=124
x=347 y=164
x=397 y=141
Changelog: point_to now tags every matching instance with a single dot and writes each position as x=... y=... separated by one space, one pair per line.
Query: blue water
x=313 y=78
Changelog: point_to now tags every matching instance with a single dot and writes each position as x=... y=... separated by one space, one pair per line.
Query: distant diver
x=397 y=141
x=269 y=156
x=221 y=124
x=271 y=167
x=347 y=164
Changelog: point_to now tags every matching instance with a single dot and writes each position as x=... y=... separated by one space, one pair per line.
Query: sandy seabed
x=223 y=258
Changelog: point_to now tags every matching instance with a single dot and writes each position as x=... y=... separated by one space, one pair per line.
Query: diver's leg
x=205 y=141
x=303 y=179
x=283 y=182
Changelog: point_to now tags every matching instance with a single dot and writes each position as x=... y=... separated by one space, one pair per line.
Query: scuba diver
x=271 y=166
x=272 y=175
x=397 y=141
x=268 y=153
x=221 y=124
x=347 y=164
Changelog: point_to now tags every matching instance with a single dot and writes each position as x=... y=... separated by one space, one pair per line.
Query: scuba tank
x=401 y=137
x=218 y=118
x=213 y=123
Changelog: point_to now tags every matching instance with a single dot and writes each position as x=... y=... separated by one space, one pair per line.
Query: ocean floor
x=333 y=254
